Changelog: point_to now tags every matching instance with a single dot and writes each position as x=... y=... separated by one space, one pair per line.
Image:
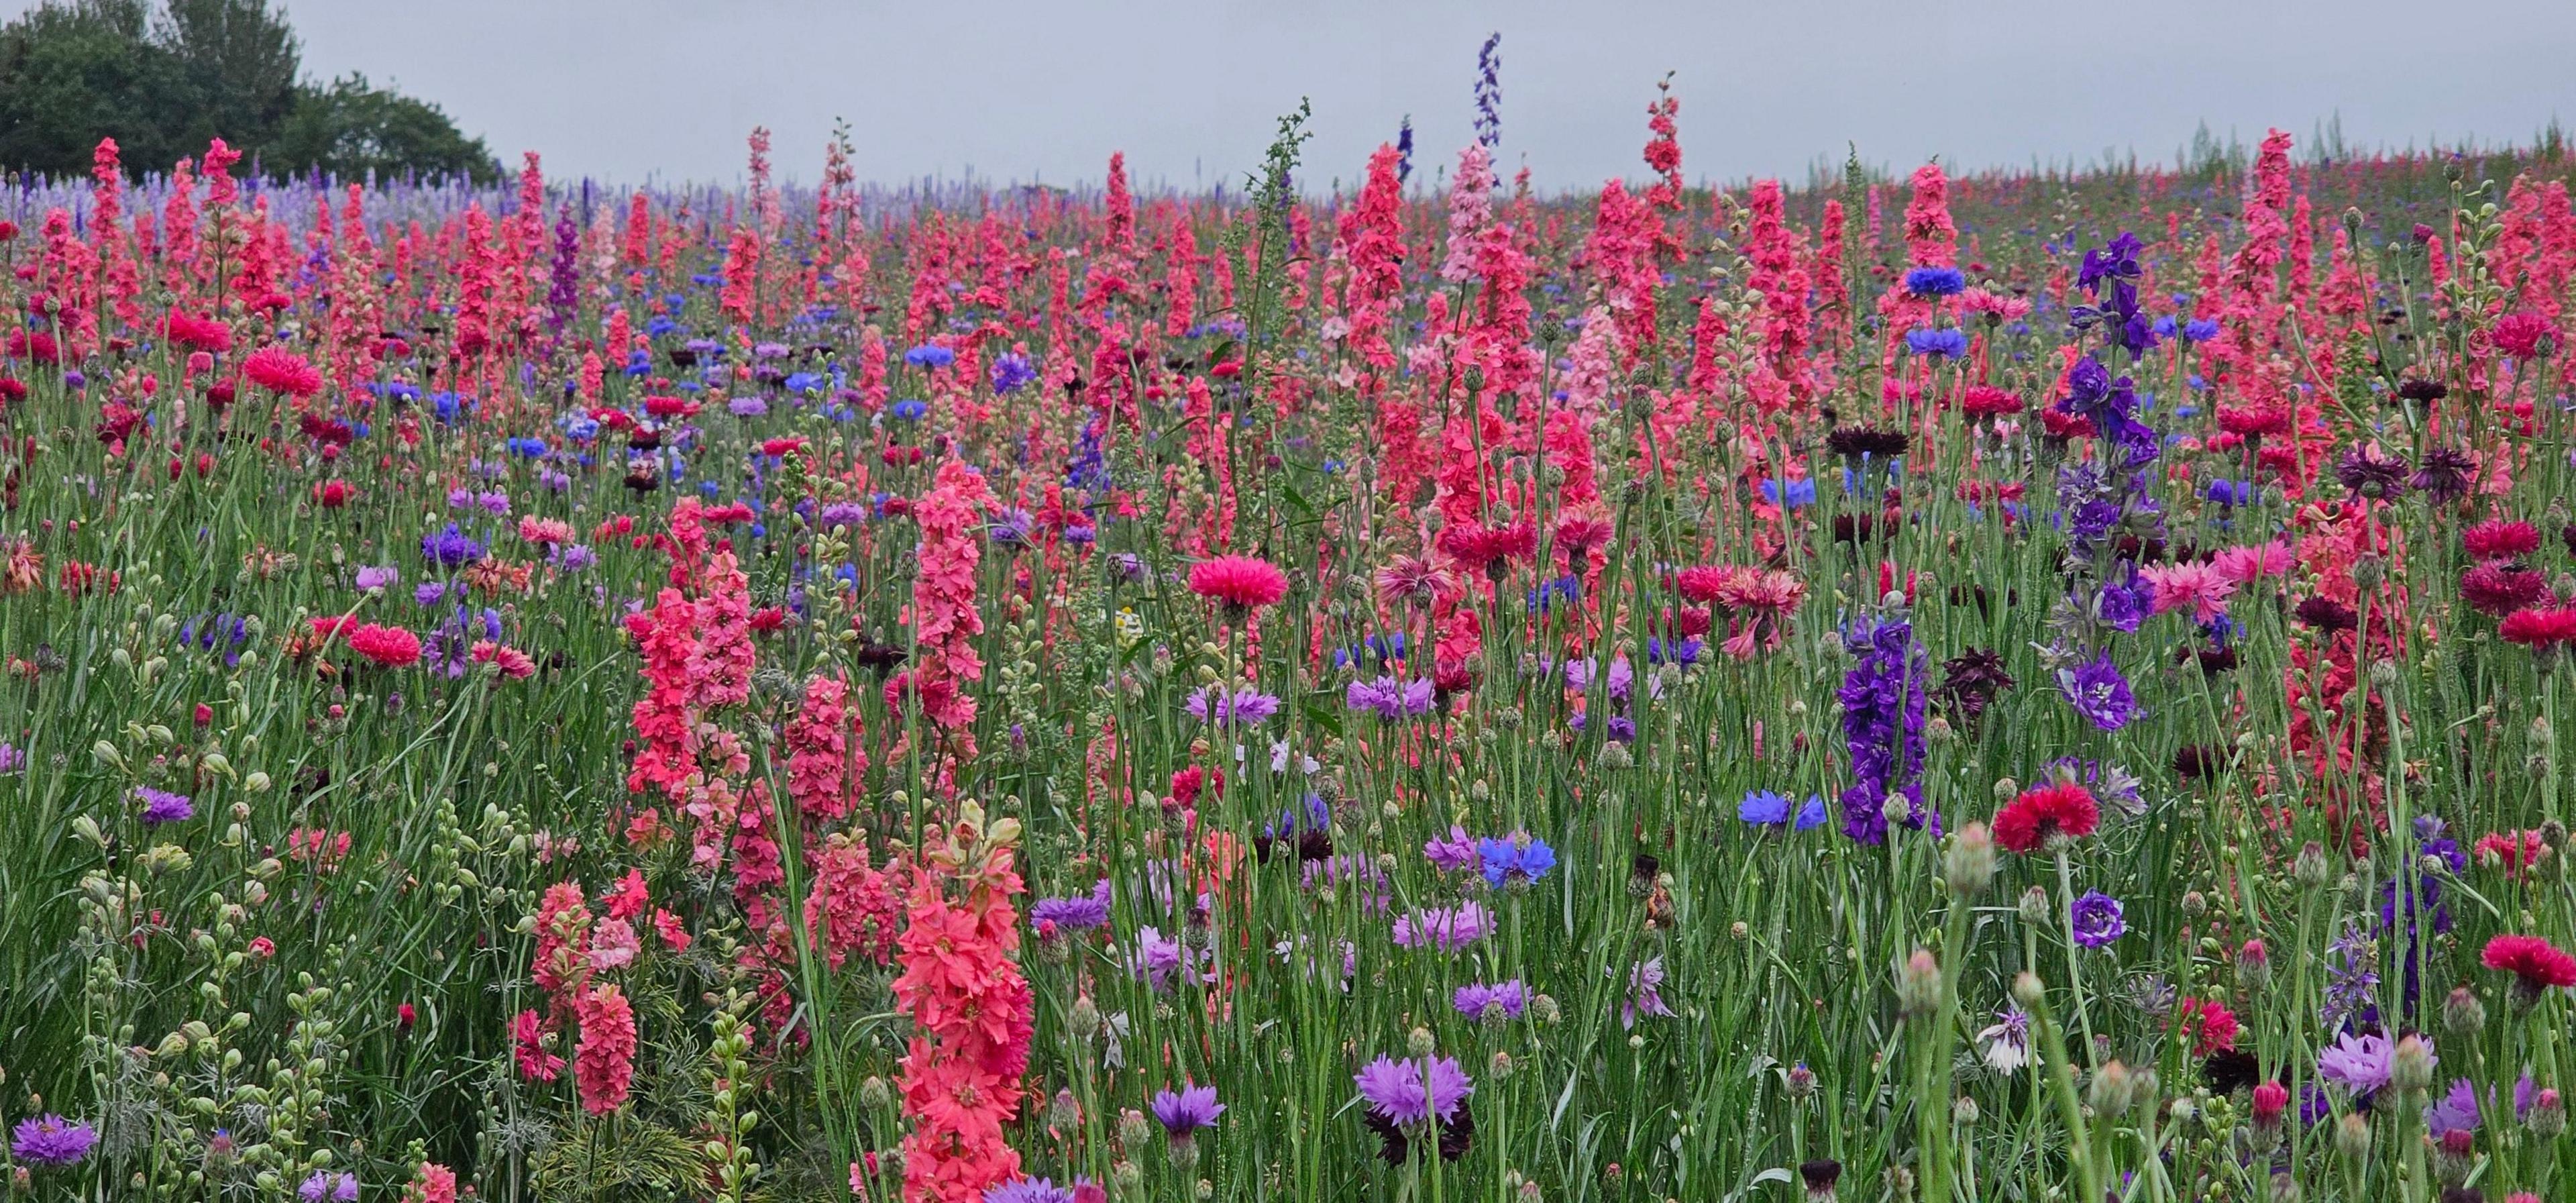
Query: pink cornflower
x=2201 y=587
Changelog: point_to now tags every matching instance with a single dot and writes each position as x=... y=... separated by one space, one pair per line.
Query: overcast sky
x=622 y=90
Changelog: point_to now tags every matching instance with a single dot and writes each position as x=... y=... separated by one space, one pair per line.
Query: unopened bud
x=1918 y=984
x=1970 y=865
x=2111 y=1090
x=2463 y=1015
x=2310 y=870
x=2410 y=1067
x=2352 y=1137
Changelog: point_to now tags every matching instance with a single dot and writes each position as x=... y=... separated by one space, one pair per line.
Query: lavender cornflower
x=2359 y=1064
x=1077 y=913
x=11 y=759
x=1389 y=698
x=2099 y=693
x=1242 y=707
x=371 y=577
x=51 y=1140
x=1644 y=980
x=1183 y=1112
x=2097 y=920
x=1494 y=1003
x=1398 y=1093
x=1448 y=928
x=162 y=806
x=1883 y=710
x=1161 y=961
x=1452 y=854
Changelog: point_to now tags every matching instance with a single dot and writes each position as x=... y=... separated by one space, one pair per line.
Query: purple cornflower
x=1883 y=710
x=1012 y=372
x=162 y=806
x=450 y=548
x=1500 y=1001
x=746 y=407
x=1452 y=854
x=1644 y=979
x=2456 y=1111
x=1245 y=706
x=1077 y=913
x=342 y=1188
x=371 y=577
x=51 y=1140
x=1450 y=928
x=428 y=593
x=1159 y=960
x=1396 y=1091
x=11 y=759
x=1185 y=1111
x=2098 y=920
x=2099 y=693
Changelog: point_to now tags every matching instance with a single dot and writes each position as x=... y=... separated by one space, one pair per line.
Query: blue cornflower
x=1516 y=860
x=927 y=356
x=1945 y=343
x=909 y=410
x=1935 y=282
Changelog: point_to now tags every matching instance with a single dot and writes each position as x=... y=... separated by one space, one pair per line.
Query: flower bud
x=1131 y=1128
x=2110 y=1091
x=1969 y=866
x=2026 y=989
x=2253 y=965
x=1801 y=1081
x=1064 y=1112
x=2410 y=1067
x=1918 y=984
x=2285 y=1189
x=1419 y=1044
x=1085 y=1019
x=2548 y=1115
x=2034 y=905
x=2311 y=870
x=2352 y=1137
x=2462 y=1014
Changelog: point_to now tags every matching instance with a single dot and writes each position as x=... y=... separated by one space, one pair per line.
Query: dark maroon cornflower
x=1853 y=442
x=2567 y=535
x=2326 y=614
x=2423 y=392
x=2367 y=475
x=2199 y=762
x=2213 y=660
x=1970 y=681
x=2445 y=474
x=1854 y=528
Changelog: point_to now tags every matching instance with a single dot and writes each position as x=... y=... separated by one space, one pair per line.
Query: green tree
x=351 y=130
x=74 y=73
x=165 y=77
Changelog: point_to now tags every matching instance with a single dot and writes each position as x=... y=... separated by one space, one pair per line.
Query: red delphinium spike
x=603 y=1064
x=971 y=1015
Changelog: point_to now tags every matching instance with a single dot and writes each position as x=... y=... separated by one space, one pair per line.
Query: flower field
x=1982 y=686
